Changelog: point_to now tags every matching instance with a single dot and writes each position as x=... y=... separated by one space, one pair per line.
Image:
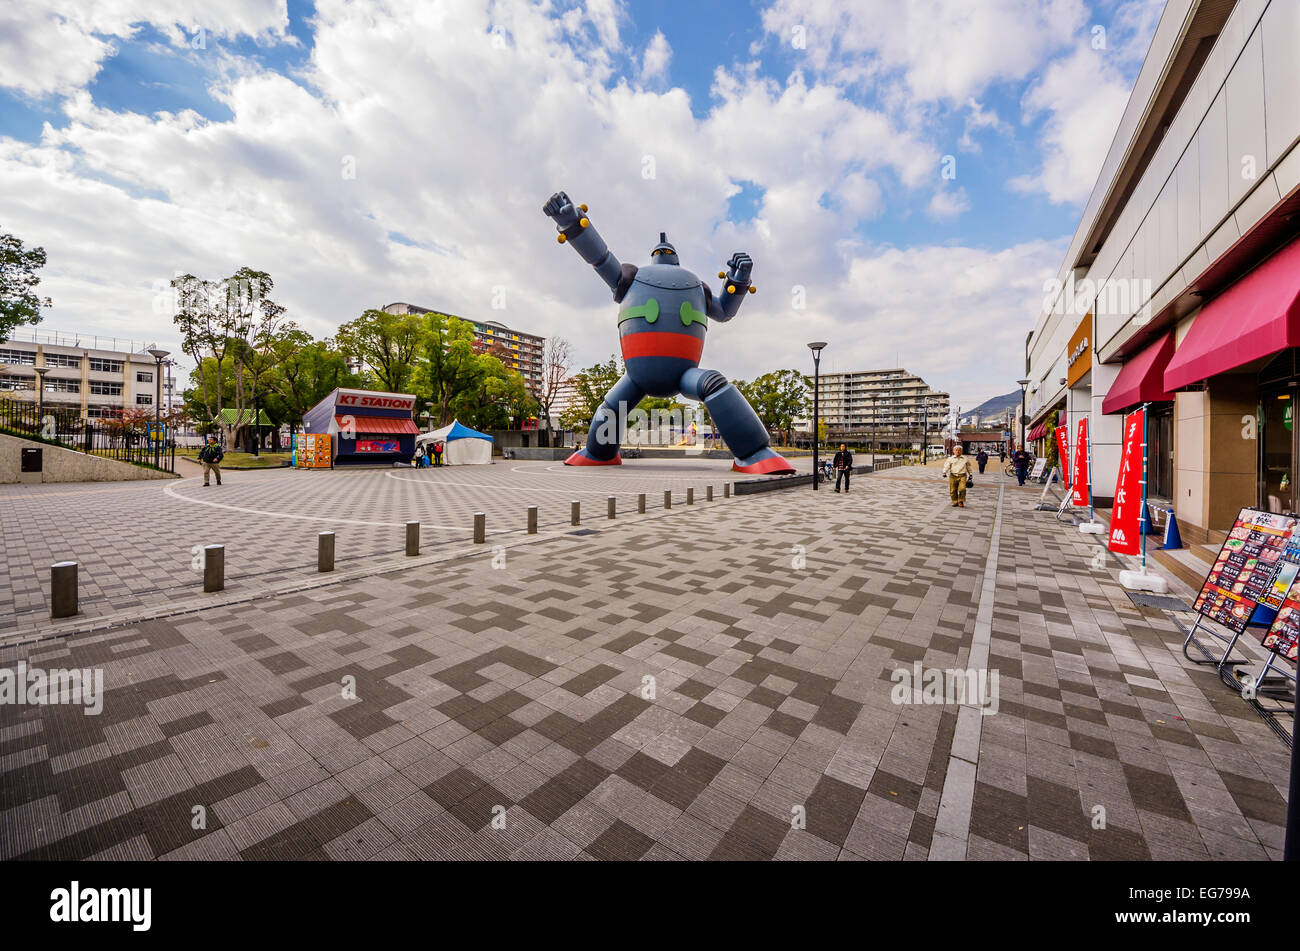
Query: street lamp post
x=925 y=431
x=158 y=357
x=1024 y=409
x=816 y=347
x=40 y=392
x=873 y=432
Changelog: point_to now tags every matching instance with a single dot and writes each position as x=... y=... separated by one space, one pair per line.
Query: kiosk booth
x=365 y=428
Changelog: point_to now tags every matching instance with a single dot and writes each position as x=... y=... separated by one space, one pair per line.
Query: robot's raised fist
x=560 y=209
x=739 y=267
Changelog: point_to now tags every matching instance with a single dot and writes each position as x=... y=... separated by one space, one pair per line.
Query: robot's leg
x=606 y=432
x=736 y=420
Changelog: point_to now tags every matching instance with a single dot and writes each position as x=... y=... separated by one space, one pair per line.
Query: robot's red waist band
x=658 y=343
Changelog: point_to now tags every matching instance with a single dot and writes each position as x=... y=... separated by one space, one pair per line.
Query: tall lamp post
x=873 y=432
x=40 y=392
x=1024 y=409
x=158 y=357
x=816 y=347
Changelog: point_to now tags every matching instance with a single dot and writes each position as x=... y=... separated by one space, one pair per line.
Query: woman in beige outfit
x=958 y=468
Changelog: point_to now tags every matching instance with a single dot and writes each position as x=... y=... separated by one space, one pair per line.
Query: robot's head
x=663 y=252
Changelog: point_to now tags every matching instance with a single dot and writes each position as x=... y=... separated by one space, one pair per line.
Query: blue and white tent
x=462 y=446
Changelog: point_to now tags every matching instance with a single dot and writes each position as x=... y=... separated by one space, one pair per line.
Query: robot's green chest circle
x=662 y=308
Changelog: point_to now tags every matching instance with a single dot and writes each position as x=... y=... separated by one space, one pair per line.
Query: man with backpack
x=210 y=456
x=437 y=452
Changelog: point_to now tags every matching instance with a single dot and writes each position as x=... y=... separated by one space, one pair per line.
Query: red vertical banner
x=1081 y=490
x=1063 y=450
x=1125 y=528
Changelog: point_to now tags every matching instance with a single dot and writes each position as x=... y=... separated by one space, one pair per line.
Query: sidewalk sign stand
x=1247 y=585
x=1048 y=489
x=1139 y=580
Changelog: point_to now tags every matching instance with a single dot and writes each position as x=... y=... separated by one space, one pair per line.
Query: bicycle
x=1010 y=467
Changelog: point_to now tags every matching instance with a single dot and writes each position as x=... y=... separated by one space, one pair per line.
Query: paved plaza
x=717 y=681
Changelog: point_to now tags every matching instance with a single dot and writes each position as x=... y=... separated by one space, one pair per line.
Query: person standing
x=437 y=453
x=982 y=458
x=1021 y=460
x=843 y=466
x=957 y=468
x=210 y=456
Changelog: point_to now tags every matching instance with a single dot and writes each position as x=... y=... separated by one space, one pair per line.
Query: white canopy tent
x=462 y=446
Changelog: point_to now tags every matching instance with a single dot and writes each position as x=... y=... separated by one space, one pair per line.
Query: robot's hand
x=738 y=268
x=562 y=211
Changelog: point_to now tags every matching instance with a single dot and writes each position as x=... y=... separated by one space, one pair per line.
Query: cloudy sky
x=905 y=176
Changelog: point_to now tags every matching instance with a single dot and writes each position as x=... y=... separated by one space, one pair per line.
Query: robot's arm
x=724 y=306
x=576 y=229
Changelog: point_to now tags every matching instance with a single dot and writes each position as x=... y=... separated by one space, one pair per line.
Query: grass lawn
x=264 y=460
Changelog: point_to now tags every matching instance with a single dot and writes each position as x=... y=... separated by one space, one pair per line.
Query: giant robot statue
x=665 y=310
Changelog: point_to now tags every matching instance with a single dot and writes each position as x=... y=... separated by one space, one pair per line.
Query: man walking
x=957 y=468
x=210 y=456
x=982 y=458
x=1021 y=459
x=843 y=466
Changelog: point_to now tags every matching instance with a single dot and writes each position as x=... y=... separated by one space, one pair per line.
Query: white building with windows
x=96 y=376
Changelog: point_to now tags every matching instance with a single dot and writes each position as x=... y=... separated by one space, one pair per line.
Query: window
x=96 y=412
x=144 y=377
x=62 y=386
x=106 y=389
x=101 y=365
x=143 y=399
x=18 y=358
x=11 y=382
x=63 y=360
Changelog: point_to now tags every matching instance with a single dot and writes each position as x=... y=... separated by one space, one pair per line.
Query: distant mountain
x=998 y=406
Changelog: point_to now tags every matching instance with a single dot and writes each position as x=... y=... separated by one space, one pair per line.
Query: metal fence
x=111 y=439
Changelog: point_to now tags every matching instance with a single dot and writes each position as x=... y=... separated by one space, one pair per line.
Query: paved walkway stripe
x=952 y=824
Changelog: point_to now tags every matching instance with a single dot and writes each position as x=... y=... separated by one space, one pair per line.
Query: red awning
x=1142 y=379
x=1256 y=317
x=1038 y=432
x=373 y=425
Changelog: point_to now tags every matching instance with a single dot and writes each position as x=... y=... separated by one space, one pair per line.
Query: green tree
x=498 y=398
x=388 y=344
x=589 y=389
x=304 y=373
x=448 y=365
x=779 y=398
x=19 y=303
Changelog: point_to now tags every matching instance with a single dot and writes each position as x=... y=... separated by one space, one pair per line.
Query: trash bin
x=32 y=459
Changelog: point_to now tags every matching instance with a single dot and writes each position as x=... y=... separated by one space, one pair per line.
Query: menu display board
x=1285 y=630
x=311 y=450
x=1246 y=573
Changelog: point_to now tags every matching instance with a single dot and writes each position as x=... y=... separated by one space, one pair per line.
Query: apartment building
x=95 y=376
x=524 y=349
x=1181 y=287
x=892 y=406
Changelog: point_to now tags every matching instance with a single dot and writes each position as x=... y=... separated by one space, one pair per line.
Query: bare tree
x=556 y=363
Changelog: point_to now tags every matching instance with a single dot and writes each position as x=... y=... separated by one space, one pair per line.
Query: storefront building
x=1185 y=269
x=365 y=428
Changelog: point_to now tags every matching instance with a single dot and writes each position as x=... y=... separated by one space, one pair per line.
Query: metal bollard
x=412 y=538
x=532 y=520
x=480 y=528
x=708 y=493
x=63 y=589
x=668 y=498
x=325 y=551
x=609 y=507
x=575 y=513
x=690 y=496
x=640 y=504
x=726 y=490
x=214 y=567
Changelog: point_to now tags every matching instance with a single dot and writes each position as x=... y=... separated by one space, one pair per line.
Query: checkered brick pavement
x=503 y=712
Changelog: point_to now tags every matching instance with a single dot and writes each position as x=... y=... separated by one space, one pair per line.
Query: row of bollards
x=64 y=599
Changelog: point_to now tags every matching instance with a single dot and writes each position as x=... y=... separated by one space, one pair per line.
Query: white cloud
x=944 y=49
x=55 y=48
x=948 y=202
x=654 y=62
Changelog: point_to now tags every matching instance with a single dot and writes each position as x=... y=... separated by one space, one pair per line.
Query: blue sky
x=816 y=137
